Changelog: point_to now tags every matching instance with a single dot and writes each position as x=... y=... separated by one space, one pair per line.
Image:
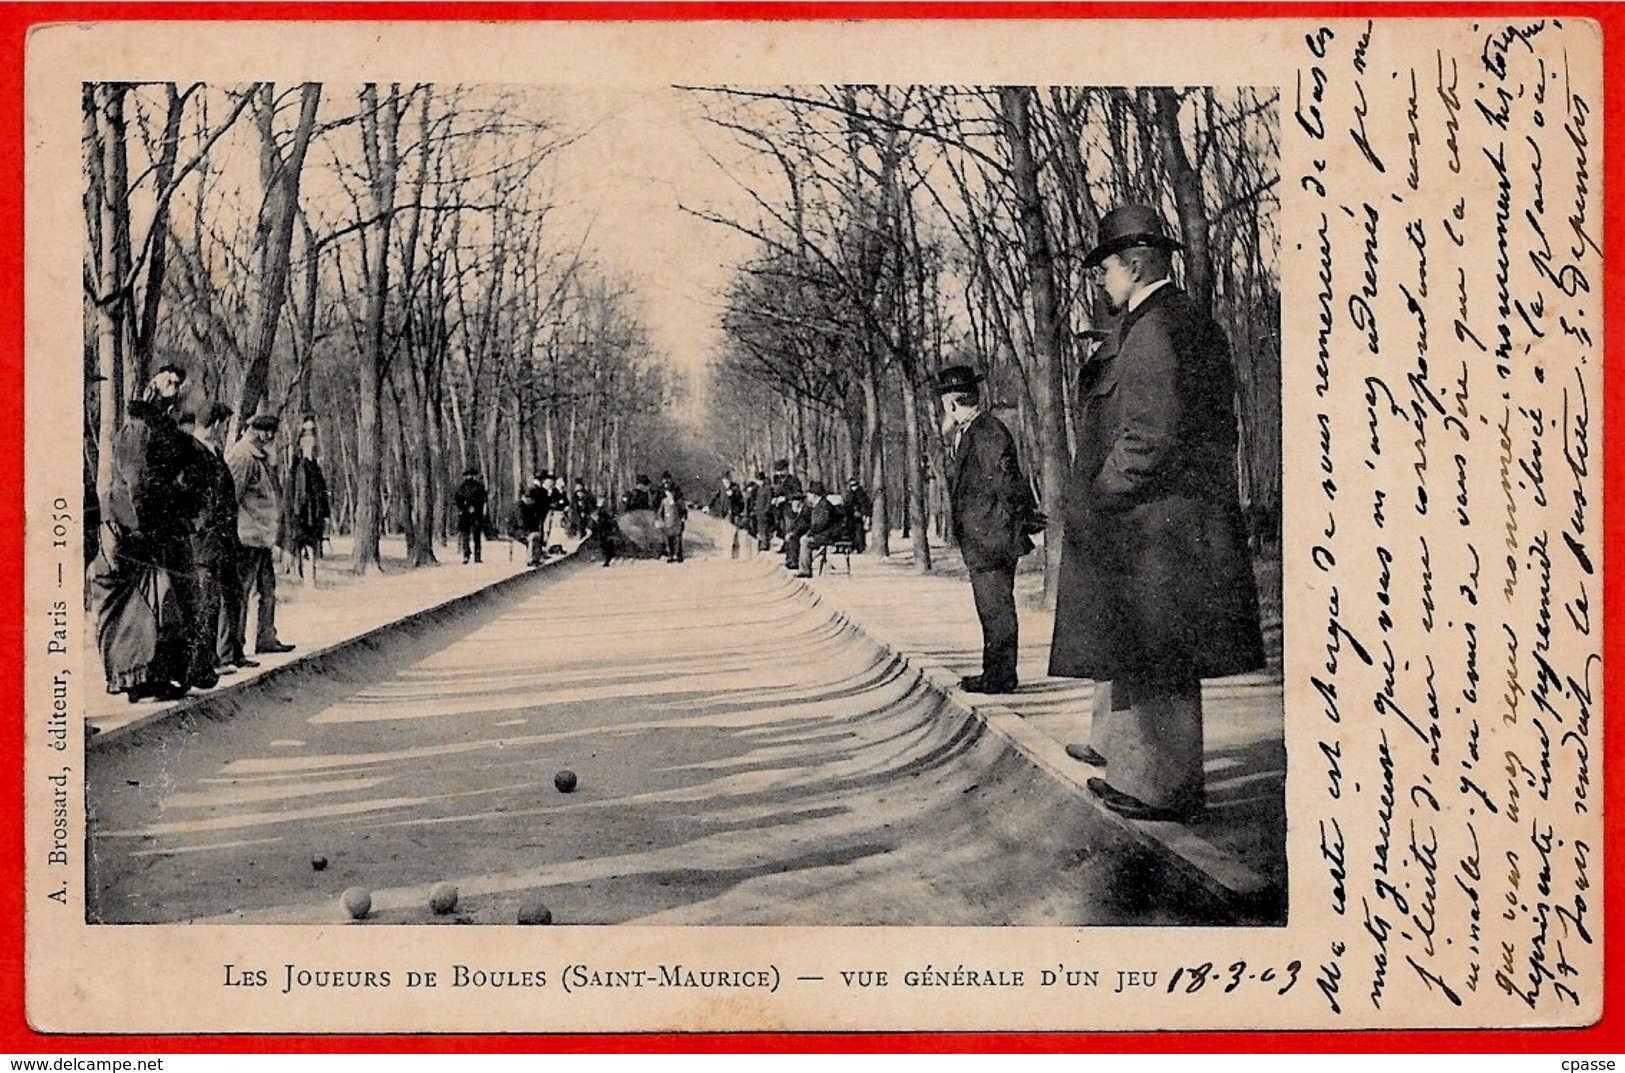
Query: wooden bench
x=842 y=548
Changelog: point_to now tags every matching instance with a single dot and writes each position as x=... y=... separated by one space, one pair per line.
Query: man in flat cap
x=1156 y=587
x=990 y=504
x=259 y=509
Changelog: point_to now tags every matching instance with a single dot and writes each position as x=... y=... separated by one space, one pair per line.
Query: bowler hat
x=264 y=422
x=1126 y=227
x=957 y=378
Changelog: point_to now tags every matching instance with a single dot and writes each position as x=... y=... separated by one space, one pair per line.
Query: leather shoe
x=245 y=662
x=1087 y=753
x=280 y=646
x=978 y=683
x=1133 y=808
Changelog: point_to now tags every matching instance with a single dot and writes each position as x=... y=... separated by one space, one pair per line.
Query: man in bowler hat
x=990 y=504
x=1156 y=586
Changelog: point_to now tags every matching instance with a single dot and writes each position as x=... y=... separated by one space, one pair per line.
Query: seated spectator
x=823 y=526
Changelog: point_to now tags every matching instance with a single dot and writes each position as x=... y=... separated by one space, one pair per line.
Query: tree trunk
x=1188 y=200
x=1047 y=381
x=158 y=243
x=379 y=128
x=114 y=361
x=273 y=238
x=915 y=479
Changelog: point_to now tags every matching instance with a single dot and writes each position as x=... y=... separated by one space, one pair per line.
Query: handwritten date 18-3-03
x=1237 y=975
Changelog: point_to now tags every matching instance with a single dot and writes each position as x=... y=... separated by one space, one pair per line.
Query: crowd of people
x=805 y=519
x=551 y=506
x=184 y=542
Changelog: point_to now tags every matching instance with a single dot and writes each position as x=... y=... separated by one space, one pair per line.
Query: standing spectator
x=747 y=504
x=214 y=548
x=819 y=526
x=528 y=514
x=671 y=514
x=470 y=501
x=259 y=503
x=643 y=494
x=143 y=625
x=1156 y=587
x=859 y=509
x=215 y=552
x=582 y=506
x=786 y=493
x=990 y=505
x=762 y=511
x=606 y=532
x=796 y=525
x=545 y=499
x=558 y=505
x=728 y=502
x=308 y=503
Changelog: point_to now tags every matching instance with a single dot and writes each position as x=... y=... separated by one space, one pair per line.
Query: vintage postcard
x=625 y=527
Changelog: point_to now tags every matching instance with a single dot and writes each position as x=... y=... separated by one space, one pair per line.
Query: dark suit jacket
x=989 y=496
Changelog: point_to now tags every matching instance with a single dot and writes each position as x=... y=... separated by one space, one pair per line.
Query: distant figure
x=582 y=506
x=990 y=503
x=762 y=510
x=606 y=531
x=558 y=505
x=796 y=525
x=671 y=514
x=859 y=508
x=143 y=629
x=729 y=502
x=526 y=527
x=786 y=491
x=747 y=504
x=259 y=504
x=470 y=500
x=308 y=503
x=819 y=526
x=643 y=494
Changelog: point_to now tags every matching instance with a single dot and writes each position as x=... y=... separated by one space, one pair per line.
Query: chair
x=842 y=548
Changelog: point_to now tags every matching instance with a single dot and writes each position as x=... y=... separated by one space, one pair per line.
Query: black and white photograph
x=495 y=522
x=1050 y=525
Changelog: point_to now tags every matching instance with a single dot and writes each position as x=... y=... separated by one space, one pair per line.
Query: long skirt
x=143 y=627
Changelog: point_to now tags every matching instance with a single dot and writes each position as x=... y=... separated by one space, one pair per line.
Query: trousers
x=1151 y=736
x=994 y=591
x=258 y=576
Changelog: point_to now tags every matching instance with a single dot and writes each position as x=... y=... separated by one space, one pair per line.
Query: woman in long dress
x=142 y=581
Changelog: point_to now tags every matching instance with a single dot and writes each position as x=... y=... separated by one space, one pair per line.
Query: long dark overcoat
x=1156 y=581
x=989 y=496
